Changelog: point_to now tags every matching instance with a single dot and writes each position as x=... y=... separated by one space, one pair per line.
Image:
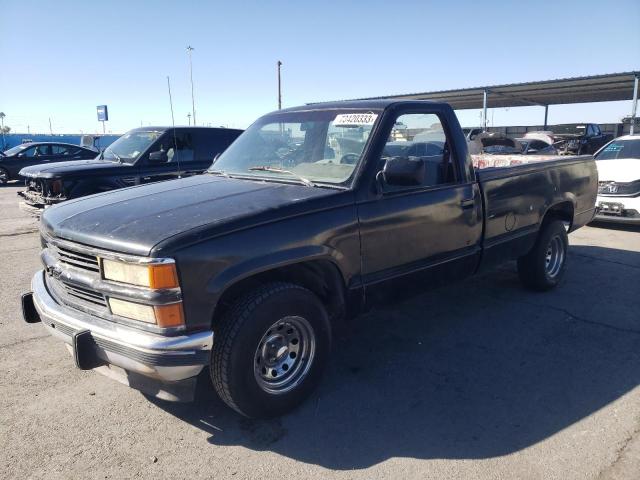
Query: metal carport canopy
x=595 y=88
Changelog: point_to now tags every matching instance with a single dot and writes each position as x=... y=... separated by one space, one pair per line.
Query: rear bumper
x=162 y=366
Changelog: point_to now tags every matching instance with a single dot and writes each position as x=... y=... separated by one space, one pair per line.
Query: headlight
x=164 y=316
x=152 y=275
x=619 y=188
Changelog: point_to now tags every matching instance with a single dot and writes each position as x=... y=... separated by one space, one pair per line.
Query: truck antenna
x=173 y=124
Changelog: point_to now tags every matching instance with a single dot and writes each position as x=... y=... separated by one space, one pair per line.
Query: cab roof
x=153 y=128
x=377 y=104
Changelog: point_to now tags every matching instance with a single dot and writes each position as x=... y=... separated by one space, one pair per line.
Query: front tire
x=543 y=267
x=270 y=349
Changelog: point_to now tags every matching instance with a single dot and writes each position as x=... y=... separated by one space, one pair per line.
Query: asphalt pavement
x=481 y=380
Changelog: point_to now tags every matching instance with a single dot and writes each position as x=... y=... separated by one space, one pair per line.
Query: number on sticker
x=354 y=119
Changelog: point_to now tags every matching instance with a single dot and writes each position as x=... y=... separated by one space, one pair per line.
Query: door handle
x=468 y=203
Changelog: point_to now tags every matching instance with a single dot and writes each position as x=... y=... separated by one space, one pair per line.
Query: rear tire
x=270 y=349
x=543 y=267
x=4 y=176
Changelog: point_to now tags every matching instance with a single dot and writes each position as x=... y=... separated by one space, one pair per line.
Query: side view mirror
x=20 y=155
x=404 y=171
x=158 y=157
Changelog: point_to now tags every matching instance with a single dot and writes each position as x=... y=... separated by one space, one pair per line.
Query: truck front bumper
x=34 y=202
x=618 y=209
x=162 y=366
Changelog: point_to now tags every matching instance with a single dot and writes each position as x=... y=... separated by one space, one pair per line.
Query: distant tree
x=3 y=129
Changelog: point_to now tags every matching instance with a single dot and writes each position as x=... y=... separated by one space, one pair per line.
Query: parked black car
x=579 y=138
x=142 y=155
x=248 y=269
x=27 y=154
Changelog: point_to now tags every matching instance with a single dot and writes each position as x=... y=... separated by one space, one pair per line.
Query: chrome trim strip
x=122 y=257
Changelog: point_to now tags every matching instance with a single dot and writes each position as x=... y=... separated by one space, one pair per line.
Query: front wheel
x=270 y=349
x=543 y=267
x=4 y=176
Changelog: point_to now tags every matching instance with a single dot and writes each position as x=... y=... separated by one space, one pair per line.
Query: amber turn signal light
x=163 y=275
x=168 y=316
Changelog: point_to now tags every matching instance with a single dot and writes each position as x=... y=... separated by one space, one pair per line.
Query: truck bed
x=516 y=198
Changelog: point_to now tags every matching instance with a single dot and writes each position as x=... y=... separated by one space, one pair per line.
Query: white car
x=619 y=180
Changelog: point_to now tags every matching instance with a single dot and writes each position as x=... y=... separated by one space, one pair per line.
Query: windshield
x=15 y=150
x=128 y=147
x=570 y=128
x=322 y=146
x=620 y=149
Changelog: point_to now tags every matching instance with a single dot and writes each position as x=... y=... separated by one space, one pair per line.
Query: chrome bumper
x=163 y=366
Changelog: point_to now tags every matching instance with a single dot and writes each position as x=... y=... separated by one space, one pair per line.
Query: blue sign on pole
x=103 y=113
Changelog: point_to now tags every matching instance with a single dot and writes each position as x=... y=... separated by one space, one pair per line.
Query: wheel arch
x=320 y=274
x=562 y=210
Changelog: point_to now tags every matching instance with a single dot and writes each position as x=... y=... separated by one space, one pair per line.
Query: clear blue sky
x=62 y=58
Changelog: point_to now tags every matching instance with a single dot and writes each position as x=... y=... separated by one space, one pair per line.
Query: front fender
x=253 y=266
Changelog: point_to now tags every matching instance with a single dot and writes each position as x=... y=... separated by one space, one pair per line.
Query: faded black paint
x=222 y=230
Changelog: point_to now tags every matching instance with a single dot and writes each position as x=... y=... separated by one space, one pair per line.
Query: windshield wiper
x=264 y=168
x=222 y=173
x=114 y=154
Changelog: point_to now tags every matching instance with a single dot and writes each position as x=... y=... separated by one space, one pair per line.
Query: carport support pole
x=484 y=111
x=634 y=105
x=546 y=115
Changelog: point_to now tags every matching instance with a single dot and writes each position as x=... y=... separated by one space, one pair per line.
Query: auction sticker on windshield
x=614 y=147
x=354 y=119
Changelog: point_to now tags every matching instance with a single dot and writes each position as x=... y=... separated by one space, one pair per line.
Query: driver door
x=417 y=236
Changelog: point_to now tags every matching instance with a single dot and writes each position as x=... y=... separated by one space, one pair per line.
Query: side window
x=60 y=150
x=596 y=130
x=421 y=137
x=42 y=150
x=184 y=143
x=29 y=152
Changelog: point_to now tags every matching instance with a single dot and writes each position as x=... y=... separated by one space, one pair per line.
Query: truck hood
x=620 y=170
x=567 y=136
x=72 y=168
x=134 y=220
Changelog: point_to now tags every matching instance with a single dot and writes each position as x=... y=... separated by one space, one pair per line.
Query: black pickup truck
x=579 y=138
x=142 y=155
x=305 y=220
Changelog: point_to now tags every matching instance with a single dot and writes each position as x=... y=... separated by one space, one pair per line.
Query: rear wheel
x=4 y=176
x=270 y=349
x=543 y=267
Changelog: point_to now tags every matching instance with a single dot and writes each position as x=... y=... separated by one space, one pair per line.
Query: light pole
x=189 y=117
x=2 y=115
x=193 y=103
x=279 y=86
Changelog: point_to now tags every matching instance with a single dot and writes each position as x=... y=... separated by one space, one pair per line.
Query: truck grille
x=84 y=294
x=69 y=257
x=83 y=298
x=76 y=259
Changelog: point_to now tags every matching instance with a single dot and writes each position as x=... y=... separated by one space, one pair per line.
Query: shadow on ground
x=476 y=370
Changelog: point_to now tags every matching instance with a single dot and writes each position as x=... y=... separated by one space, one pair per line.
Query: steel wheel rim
x=284 y=355
x=554 y=257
